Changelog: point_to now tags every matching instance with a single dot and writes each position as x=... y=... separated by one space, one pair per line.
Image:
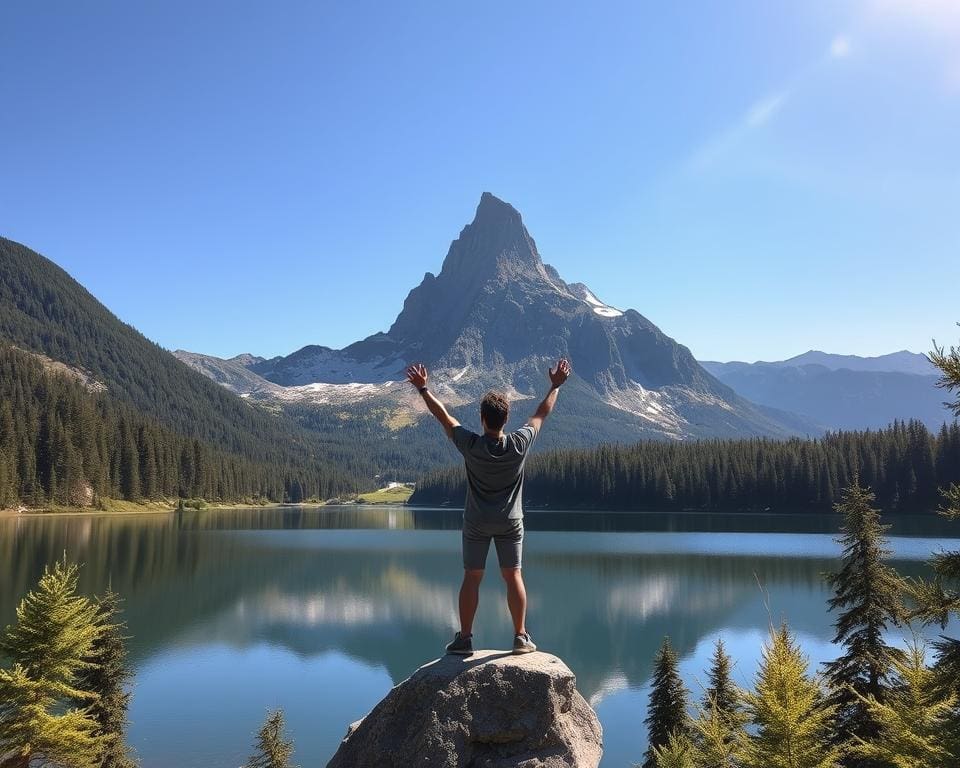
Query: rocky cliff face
x=496 y=315
x=489 y=710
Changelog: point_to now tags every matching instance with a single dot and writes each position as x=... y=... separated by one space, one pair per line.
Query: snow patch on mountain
x=586 y=295
x=324 y=393
x=651 y=405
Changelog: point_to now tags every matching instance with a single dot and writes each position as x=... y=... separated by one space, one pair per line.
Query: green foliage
x=49 y=646
x=943 y=597
x=914 y=718
x=45 y=311
x=107 y=676
x=948 y=361
x=721 y=692
x=667 y=714
x=867 y=595
x=904 y=464
x=717 y=738
x=678 y=752
x=273 y=750
x=788 y=711
x=718 y=727
x=68 y=446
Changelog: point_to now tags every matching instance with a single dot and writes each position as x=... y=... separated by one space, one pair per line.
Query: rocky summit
x=489 y=710
x=495 y=316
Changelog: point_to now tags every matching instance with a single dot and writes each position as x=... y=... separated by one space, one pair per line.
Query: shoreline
x=167 y=506
x=135 y=508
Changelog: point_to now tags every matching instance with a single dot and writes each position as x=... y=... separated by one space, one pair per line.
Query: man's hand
x=417 y=375
x=560 y=374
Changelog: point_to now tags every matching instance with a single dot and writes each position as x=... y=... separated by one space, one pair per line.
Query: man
x=494 y=508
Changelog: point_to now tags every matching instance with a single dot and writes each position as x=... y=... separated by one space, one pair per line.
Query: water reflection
x=329 y=597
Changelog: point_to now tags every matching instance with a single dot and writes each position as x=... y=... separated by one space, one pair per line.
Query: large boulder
x=488 y=710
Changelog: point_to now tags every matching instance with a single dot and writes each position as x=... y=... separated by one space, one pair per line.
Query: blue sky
x=757 y=178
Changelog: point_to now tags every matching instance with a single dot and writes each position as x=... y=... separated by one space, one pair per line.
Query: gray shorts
x=507 y=537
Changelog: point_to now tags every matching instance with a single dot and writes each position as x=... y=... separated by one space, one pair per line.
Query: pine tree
x=939 y=601
x=107 y=676
x=717 y=730
x=272 y=748
x=721 y=692
x=787 y=709
x=867 y=594
x=678 y=752
x=914 y=718
x=717 y=738
x=54 y=634
x=667 y=714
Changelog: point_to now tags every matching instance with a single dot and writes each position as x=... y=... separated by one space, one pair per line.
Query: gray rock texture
x=489 y=710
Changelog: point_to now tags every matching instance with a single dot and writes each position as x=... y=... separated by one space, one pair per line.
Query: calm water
x=322 y=611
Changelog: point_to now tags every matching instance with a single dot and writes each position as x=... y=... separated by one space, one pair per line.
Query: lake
x=321 y=610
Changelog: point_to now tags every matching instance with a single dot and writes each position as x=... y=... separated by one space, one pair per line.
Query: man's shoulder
x=524 y=436
x=462 y=437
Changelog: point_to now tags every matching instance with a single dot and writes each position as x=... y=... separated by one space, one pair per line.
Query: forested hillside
x=904 y=464
x=61 y=444
x=44 y=310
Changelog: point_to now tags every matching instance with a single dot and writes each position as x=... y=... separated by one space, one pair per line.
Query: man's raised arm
x=557 y=375
x=417 y=375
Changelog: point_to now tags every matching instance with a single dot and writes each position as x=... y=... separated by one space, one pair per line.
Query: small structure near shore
x=489 y=710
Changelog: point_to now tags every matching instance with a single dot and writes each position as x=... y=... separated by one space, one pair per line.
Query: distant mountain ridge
x=496 y=316
x=843 y=391
x=895 y=362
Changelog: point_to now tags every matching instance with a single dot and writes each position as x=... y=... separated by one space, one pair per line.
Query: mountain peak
x=495 y=245
x=492 y=209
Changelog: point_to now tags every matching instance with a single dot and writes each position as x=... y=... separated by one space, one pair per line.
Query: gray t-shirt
x=494 y=473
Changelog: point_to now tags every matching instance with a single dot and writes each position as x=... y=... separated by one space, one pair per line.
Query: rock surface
x=489 y=710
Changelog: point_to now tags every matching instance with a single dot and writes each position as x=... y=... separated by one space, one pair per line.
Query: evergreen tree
x=667 y=714
x=721 y=692
x=787 y=709
x=49 y=645
x=273 y=750
x=107 y=676
x=717 y=730
x=914 y=718
x=717 y=738
x=60 y=443
x=867 y=595
x=943 y=598
x=678 y=752
x=903 y=464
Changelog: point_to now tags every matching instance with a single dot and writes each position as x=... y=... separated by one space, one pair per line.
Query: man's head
x=494 y=411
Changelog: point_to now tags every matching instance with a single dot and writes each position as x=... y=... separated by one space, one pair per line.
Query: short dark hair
x=494 y=410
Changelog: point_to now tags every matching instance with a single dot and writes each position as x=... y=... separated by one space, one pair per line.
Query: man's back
x=494 y=510
x=494 y=472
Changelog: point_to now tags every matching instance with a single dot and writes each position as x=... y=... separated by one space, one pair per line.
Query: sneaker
x=462 y=646
x=523 y=643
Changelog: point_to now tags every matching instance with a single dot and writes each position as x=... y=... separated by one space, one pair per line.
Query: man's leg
x=469 y=600
x=509 y=543
x=516 y=598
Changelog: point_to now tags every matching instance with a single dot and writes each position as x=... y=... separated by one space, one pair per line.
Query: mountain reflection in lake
x=320 y=611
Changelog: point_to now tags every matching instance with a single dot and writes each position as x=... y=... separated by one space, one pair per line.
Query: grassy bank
x=396 y=495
